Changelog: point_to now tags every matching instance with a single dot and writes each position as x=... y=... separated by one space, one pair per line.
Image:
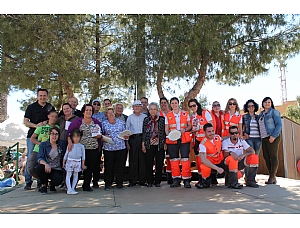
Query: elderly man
x=36 y=115
x=137 y=159
x=97 y=114
x=144 y=101
x=73 y=101
x=119 y=108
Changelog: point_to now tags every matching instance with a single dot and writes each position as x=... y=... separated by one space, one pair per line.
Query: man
x=97 y=114
x=144 y=101
x=36 y=115
x=137 y=159
x=73 y=101
x=107 y=103
x=235 y=147
x=119 y=108
x=164 y=109
x=217 y=118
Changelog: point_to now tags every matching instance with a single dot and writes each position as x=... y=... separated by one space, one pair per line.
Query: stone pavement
x=281 y=198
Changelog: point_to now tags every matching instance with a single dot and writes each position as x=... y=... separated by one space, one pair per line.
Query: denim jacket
x=246 y=123
x=45 y=148
x=272 y=122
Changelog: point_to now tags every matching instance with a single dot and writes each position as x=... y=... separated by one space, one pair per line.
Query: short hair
x=265 y=99
x=144 y=98
x=106 y=99
x=75 y=131
x=233 y=127
x=42 y=90
x=246 y=105
x=65 y=104
x=227 y=105
x=163 y=98
x=72 y=98
x=84 y=107
x=207 y=125
x=155 y=104
x=107 y=109
x=52 y=111
x=119 y=104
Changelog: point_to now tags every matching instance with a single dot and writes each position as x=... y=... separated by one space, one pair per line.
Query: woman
x=250 y=125
x=270 y=126
x=199 y=118
x=64 y=122
x=154 y=144
x=114 y=154
x=179 y=120
x=92 y=144
x=232 y=117
x=50 y=162
x=217 y=118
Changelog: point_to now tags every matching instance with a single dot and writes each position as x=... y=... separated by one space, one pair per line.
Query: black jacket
x=161 y=133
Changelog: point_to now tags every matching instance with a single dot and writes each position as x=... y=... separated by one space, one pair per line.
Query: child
x=73 y=161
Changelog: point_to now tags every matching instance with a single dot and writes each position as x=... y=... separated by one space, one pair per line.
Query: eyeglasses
x=193 y=106
x=54 y=134
x=216 y=105
x=235 y=132
x=96 y=104
x=232 y=103
x=250 y=106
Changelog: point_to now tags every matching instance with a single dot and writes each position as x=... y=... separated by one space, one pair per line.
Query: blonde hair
x=237 y=109
x=109 y=108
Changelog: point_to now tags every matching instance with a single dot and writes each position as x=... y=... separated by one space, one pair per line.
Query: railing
x=16 y=168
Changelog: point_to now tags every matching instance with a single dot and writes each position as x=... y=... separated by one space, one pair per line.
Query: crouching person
x=233 y=148
x=50 y=162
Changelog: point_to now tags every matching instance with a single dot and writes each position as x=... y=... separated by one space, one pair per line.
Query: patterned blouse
x=89 y=142
x=113 y=130
x=152 y=135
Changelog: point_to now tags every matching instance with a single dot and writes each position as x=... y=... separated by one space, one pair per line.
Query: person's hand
x=64 y=164
x=126 y=137
x=165 y=146
x=44 y=123
x=127 y=145
x=70 y=146
x=241 y=157
x=234 y=155
x=271 y=139
x=39 y=124
x=98 y=137
x=246 y=136
x=182 y=131
x=220 y=170
x=47 y=168
x=143 y=147
x=83 y=167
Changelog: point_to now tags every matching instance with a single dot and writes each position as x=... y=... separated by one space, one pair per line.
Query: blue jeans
x=30 y=146
x=255 y=143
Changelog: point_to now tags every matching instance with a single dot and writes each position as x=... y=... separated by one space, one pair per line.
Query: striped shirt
x=262 y=127
x=254 y=131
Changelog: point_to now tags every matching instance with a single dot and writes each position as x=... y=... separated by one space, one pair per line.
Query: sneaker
x=27 y=187
x=72 y=192
x=52 y=189
x=44 y=190
x=235 y=186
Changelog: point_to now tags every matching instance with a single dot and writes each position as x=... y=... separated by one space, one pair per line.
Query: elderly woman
x=270 y=126
x=154 y=144
x=114 y=154
x=50 y=162
x=92 y=144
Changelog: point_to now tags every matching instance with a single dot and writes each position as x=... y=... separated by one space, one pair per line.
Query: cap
x=96 y=100
x=137 y=102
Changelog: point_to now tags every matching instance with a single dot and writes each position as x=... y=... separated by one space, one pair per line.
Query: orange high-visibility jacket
x=162 y=114
x=234 y=121
x=186 y=137
x=213 y=150
x=199 y=135
x=215 y=122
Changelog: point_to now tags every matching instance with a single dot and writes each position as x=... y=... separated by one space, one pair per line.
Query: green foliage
x=293 y=112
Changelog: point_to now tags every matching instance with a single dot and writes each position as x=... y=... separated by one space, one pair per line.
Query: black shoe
x=214 y=182
x=142 y=184
x=271 y=181
x=235 y=186
x=157 y=185
x=120 y=187
x=44 y=190
x=252 y=184
x=187 y=184
x=96 y=186
x=175 y=184
x=27 y=187
x=149 y=185
x=52 y=189
x=131 y=185
x=199 y=185
x=107 y=188
x=87 y=189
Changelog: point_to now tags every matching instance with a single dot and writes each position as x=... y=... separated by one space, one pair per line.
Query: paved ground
x=281 y=198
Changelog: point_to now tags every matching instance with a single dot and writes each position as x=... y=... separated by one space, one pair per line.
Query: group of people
x=61 y=146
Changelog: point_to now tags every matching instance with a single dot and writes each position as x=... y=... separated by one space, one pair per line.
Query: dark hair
x=65 y=104
x=86 y=105
x=172 y=99
x=106 y=99
x=52 y=112
x=199 y=108
x=246 y=105
x=76 y=131
x=207 y=126
x=43 y=90
x=233 y=127
x=56 y=129
x=265 y=99
x=163 y=98
x=144 y=98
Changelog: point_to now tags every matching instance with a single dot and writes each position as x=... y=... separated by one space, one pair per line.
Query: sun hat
x=137 y=103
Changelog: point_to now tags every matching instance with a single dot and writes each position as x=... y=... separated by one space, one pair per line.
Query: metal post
x=17 y=165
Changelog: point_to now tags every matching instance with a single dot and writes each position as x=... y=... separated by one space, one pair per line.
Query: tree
x=293 y=112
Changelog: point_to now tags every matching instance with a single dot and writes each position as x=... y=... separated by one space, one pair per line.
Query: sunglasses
x=54 y=134
x=96 y=104
x=193 y=106
x=232 y=103
x=216 y=105
x=232 y=133
x=250 y=106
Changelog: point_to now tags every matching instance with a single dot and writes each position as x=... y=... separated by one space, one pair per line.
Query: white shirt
x=134 y=123
x=237 y=148
x=177 y=118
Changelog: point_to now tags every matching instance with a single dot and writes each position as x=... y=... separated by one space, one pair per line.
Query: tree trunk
x=159 y=83
x=198 y=85
x=3 y=107
x=69 y=90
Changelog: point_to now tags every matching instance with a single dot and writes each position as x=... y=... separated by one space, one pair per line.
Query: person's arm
x=42 y=158
x=208 y=117
x=83 y=166
x=278 y=125
x=208 y=163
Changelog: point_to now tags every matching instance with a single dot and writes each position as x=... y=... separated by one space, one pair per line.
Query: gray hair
x=119 y=104
x=153 y=103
